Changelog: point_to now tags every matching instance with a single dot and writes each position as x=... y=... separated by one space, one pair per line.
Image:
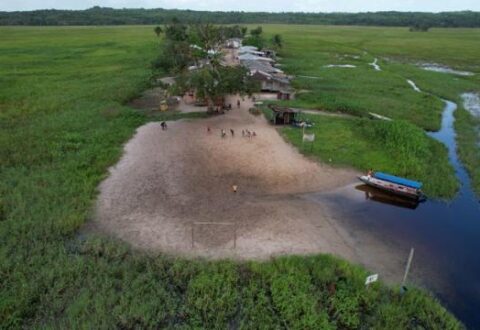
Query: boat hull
x=391 y=187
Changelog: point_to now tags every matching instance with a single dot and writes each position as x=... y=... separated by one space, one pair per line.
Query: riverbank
x=394 y=147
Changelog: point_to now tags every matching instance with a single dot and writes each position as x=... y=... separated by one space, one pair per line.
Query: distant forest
x=110 y=16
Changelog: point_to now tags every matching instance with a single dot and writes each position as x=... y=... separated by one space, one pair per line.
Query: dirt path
x=169 y=182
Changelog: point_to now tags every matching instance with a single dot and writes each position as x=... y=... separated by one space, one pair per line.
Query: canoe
x=394 y=184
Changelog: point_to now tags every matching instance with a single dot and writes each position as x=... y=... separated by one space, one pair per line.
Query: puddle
x=340 y=66
x=444 y=69
x=414 y=86
x=310 y=77
x=355 y=57
x=377 y=116
x=471 y=102
x=375 y=65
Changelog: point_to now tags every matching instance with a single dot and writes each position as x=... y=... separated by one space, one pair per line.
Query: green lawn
x=396 y=147
x=361 y=90
x=63 y=123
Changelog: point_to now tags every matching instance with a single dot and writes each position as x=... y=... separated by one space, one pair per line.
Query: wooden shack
x=283 y=115
x=285 y=94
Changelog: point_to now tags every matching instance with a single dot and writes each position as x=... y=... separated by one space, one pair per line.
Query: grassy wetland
x=362 y=89
x=63 y=122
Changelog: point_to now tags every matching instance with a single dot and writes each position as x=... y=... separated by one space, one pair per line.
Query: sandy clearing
x=169 y=180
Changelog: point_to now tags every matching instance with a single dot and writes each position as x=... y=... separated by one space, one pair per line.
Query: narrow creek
x=446 y=236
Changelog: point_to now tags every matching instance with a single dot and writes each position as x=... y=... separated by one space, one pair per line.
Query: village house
x=283 y=115
x=253 y=66
x=260 y=64
x=234 y=43
x=252 y=57
x=271 y=83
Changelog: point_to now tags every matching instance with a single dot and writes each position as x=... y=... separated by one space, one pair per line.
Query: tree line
x=109 y=16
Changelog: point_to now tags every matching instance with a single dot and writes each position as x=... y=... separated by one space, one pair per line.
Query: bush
x=255 y=111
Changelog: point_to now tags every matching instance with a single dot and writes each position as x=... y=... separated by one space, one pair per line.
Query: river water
x=446 y=236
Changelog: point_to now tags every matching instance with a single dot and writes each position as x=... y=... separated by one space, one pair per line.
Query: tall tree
x=243 y=30
x=257 y=32
x=200 y=45
x=277 y=41
x=213 y=84
x=158 y=30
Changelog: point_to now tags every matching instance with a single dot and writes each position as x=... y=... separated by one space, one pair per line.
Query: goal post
x=233 y=225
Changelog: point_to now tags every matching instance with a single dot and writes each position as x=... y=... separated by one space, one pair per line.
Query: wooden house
x=271 y=83
x=283 y=115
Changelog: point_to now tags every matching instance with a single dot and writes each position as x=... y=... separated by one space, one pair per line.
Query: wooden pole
x=235 y=236
x=303 y=136
x=407 y=268
x=193 y=225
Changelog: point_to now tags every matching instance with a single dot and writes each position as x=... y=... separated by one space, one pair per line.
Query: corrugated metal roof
x=251 y=57
x=260 y=65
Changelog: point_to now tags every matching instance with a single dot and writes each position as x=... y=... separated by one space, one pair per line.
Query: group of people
x=223 y=132
x=248 y=133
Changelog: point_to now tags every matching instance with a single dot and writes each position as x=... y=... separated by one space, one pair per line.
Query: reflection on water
x=377 y=195
x=446 y=236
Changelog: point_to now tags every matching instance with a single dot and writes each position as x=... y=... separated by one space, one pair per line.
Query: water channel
x=445 y=235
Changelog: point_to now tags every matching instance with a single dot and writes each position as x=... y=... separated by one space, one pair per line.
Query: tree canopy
x=109 y=16
x=193 y=53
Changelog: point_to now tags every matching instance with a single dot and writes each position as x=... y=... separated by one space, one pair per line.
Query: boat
x=385 y=197
x=394 y=184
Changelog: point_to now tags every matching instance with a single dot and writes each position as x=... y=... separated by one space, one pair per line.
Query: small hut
x=285 y=94
x=283 y=115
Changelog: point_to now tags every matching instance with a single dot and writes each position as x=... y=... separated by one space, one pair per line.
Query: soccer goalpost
x=232 y=225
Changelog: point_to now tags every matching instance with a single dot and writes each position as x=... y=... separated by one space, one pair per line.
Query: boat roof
x=398 y=180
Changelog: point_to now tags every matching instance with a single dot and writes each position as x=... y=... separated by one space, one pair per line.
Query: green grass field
x=361 y=90
x=362 y=142
x=63 y=122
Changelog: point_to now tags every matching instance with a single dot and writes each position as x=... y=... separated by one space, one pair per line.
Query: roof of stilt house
x=279 y=109
x=247 y=48
x=260 y=66
x=251 y=57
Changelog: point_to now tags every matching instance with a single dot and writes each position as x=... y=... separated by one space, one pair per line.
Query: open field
x=168 y=181
x=362 y=89
x=63 y=122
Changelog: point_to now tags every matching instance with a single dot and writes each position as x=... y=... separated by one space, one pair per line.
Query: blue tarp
x=398 y=180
